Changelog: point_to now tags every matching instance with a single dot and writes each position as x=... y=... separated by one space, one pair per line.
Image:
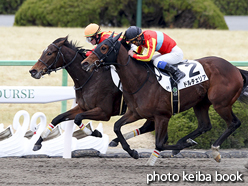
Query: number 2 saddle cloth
x=194 y=71
x=194 y=74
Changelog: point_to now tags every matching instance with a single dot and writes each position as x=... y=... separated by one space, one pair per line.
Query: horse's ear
x=63 y=41
x=117 y=37
x=112 y=35
x=66 y=38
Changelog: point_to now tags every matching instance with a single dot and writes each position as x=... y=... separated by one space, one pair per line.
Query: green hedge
x=61 y=13
x=155 y=13
x=232 y=7
x=183 y=123
x=10 y=6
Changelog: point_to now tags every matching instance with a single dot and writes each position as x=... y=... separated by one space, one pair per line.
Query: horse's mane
x=72 y=45
x=125 y=44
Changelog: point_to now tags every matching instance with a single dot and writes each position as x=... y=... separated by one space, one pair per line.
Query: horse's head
x=52 y=58
x=106 y=51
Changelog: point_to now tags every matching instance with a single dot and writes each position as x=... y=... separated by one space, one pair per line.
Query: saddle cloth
x=194 y=74
x=194 y=71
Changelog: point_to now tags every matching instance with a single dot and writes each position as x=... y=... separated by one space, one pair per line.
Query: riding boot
x=175 y=72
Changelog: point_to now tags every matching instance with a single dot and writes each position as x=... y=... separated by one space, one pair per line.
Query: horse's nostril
x=85 y=64
x=33 y=72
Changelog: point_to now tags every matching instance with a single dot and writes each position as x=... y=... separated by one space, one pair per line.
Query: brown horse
x=147 y=99
x=97 y=96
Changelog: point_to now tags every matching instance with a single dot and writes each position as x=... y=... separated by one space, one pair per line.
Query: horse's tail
x=244 y=94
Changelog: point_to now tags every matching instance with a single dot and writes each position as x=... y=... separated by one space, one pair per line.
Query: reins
x=85 y=81
x=147 y=77
x=115 y=63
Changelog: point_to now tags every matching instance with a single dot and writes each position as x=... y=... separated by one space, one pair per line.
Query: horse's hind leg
x=148 y=126
x=204 y=125
x=232 y=124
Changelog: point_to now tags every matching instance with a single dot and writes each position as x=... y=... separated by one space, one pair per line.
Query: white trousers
x=174 y=57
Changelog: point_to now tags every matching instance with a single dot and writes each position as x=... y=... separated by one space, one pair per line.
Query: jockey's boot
x=175 y=72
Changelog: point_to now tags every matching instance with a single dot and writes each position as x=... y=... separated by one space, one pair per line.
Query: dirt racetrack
x=120 y=171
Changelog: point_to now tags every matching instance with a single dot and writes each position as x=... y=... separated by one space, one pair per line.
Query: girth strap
x=123 y=106
x=175 y=99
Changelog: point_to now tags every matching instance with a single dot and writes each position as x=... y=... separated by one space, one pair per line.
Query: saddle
x=195 y=74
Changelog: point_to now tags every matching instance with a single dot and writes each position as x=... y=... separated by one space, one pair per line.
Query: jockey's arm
x=151 y=46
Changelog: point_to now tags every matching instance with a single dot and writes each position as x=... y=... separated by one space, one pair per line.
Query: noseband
x=49 y=67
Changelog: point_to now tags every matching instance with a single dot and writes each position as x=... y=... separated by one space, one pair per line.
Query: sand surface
x=120 y=171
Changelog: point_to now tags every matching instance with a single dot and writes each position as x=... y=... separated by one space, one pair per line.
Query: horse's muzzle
x=34 y=73
x=85 y=66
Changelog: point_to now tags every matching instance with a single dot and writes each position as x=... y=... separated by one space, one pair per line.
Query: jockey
x=169 y=52
x=94 y=35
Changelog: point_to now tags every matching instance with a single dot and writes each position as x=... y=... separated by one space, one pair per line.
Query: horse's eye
x=104 y=49
x=49 y=53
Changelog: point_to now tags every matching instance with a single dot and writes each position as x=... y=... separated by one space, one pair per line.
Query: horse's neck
x=78 y=75
x=132 y=74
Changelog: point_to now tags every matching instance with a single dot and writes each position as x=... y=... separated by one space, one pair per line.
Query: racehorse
x=147 y=99
x=97 y=96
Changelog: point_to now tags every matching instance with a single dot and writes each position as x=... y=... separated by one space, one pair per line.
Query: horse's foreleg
x=148 y=126
x=69 y=115
x=125 y=119
x=161 y=127
x=95 y=114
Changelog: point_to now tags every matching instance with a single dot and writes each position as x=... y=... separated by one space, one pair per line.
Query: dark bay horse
x=97 y=96
x=147 y=99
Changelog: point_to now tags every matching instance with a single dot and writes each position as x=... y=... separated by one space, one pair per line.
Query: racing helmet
x=132 y=33
x=92 y=29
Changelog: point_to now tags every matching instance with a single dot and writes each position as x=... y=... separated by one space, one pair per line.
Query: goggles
x=89 y=39
x=134 y=41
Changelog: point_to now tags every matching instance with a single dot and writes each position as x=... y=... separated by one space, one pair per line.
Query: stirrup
x=178 y=78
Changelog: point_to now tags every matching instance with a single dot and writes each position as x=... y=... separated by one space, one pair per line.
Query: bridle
x=49 y=67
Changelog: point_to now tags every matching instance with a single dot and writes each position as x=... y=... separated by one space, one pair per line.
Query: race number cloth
x=194 y=71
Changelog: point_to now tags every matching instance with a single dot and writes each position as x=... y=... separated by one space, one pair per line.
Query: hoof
x=113 y=144
x=96 y=133
x=37 y=147
x=218 y=158
x=134 y=154
x=175 y=152
x=215 y=153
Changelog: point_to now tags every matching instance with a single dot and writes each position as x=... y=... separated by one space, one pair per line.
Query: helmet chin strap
x=142 y=41
x=98 y=39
